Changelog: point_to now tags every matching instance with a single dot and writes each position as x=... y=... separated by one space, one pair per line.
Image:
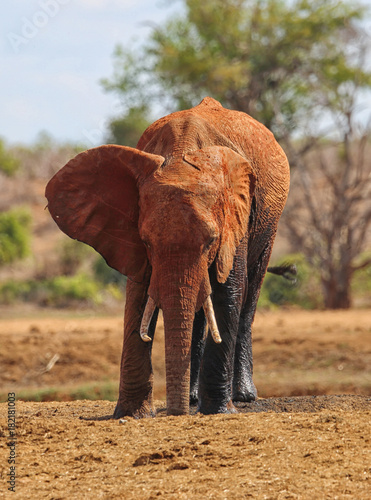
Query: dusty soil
x=308 y=444
x=295 y=353
x=72 y=450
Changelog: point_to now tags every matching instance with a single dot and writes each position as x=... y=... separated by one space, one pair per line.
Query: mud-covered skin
x=189 y=215
x=135 y=393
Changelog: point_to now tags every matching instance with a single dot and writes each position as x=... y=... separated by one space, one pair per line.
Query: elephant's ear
x=239 y=186
x=94 y=199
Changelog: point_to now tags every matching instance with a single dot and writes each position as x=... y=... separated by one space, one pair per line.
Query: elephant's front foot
x=245 y=393
x=212 y=407
x=136 y=409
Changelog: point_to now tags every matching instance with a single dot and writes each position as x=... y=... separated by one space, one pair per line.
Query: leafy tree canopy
x=128 y=129
x=276 y=60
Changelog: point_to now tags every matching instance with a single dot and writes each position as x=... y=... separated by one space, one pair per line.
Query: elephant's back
x=258 y=145
x=234 y=129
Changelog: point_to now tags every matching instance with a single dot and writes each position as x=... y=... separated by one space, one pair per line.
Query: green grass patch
x=60 y=291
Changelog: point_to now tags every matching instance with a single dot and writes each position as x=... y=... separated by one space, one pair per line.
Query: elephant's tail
x=287 y=271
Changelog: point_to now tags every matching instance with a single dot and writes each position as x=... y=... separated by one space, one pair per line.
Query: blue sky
x=53 y=54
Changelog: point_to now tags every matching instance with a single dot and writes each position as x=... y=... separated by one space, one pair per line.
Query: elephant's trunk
x=180 y=291
x=178 y=322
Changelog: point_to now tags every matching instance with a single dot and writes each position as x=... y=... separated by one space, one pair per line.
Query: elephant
x=189 y=216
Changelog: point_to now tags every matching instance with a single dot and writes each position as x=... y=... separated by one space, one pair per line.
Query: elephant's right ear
x=94 y=199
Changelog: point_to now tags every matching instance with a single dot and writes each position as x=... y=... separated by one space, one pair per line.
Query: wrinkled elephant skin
x=190 y=217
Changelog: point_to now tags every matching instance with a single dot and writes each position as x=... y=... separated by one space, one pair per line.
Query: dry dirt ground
x=298 y=441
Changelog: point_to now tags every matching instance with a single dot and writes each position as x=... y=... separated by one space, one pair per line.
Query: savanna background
x=304 y=70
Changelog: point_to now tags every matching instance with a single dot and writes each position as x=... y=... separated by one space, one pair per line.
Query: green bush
x=305 y=292
x=73 y=254
x=14 y=235
x=61 y=291
x=8 y=164
x=64 y=289
x=12 y=291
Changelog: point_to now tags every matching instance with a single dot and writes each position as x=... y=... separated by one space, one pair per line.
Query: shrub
x=11 y=291
x=64 y=289
x=61 y=291
x=8 y=164
x=73 y=254
x=305 y=292
x=14 y=235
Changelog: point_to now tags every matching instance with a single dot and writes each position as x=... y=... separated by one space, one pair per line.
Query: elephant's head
x=172 y=217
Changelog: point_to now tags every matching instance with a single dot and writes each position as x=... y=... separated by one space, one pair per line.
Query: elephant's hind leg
x=244 y=389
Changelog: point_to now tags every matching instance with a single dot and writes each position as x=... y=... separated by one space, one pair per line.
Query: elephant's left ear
x=94 y=199
x=239 y=186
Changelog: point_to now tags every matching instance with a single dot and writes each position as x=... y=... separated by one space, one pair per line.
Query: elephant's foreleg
x=243 y=385
x=215 y=386
x=198 y=346
x=136 y=375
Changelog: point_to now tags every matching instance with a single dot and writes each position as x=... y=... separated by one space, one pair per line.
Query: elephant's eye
x=147 y=245
x=210 y=242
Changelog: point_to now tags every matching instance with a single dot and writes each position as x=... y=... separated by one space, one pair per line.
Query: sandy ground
x=295 y=353
x=71 y=450
x=299 y=440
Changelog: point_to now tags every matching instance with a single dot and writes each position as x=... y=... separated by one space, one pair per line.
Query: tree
x=299 y=68
x=330 y=219
x=127 y=130
x=261 y=57
x=329 y=215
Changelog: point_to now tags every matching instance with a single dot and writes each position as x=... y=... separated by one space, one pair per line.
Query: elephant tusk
x=146 y=320
x=210 y=316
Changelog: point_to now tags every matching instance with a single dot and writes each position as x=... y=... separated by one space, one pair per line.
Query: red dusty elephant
x=189 y=217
